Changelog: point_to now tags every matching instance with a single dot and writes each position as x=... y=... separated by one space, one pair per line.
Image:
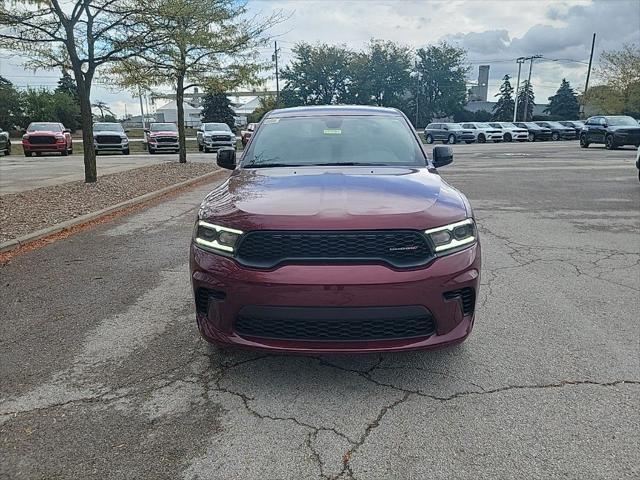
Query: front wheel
x=482 y=138
x=125 y=151
x=555 y=136
x=583 y=141
x=200 y=147
x=27 y=154
x=452 y=139
x=428 y=138
x=65 y=152
x=8 y=152
x=507 y=137
x=531 y=137
x=610 y=143
x=468 y=142
x=152 y=151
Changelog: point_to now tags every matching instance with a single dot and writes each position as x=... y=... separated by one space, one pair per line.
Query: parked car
x=162 y=137
x=536 y=132
x=638 y=162
x=212 y=136
x=559 y=131
x=5 y=143
x=335 y=233
x=483 y=132
x=47 y=137
x=110 y=137
x=245 y=135
x=612 y=130
x=577 y=125
x=448 y=133
x=510 y=132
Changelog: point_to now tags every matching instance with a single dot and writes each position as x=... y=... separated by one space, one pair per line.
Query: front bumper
x=44 y=147
x=113 y=147
x=339 y=287
x=494 y=137
x=165 y=145
x=626 y=138
x=467 y=137
x=217 y=144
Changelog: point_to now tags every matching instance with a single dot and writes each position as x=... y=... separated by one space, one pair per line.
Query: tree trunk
x=181 y=127
x=90 y=170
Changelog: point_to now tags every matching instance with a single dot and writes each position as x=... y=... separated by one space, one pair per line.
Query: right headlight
x=454 y=236
x=216 y=238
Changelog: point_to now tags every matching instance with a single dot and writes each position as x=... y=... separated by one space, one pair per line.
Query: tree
x=39 y=104
x=564 y=103
x=382 y=74
x=526 y=91
x=442 y=87
x=216 y=107
x=266 y=104
x=503 y=109
x=207 y=43
x=10 y=106
x=467 y=116
x=78 y=35
x=318 y=75
x=67 y=85
x=102 y=107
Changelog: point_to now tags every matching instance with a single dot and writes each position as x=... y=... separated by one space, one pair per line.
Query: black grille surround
x=42 y=140
x=204 y=295
x=397 y=248
x=167 y=139
x=108 y=139
x=343 y=324
x=467 y=296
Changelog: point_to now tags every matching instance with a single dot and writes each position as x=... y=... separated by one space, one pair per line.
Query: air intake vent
x=468 y=297
x=203 y=296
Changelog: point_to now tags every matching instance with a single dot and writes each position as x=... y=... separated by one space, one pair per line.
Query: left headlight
x=215 y=238
x=454 y=236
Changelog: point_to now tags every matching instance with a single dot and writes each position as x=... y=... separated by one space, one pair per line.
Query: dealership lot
x=103 y=374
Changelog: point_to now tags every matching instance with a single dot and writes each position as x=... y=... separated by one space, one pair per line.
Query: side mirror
x=67 y=130
x=442 y=155
x=445 y=128
x=127 y=131
x=146 y=130
x=226 y=158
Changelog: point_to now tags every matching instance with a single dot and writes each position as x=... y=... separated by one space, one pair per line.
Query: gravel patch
x=25 y=212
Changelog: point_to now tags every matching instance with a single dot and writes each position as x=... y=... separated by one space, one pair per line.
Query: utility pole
x=141 y=108
x=417 y=94
x=515 y=106
x=526 y=97
x=275 y=58
x=586 y=84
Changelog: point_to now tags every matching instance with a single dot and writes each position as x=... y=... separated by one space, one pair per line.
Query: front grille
x=203 y=295
x=108 y=139
x=398 y=248
x=220 y=138
x=467 y=296
x=335 y=324
x=42 y=140
x=167 y=139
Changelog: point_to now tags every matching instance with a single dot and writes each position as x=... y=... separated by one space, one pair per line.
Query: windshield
x=555 y=125
x=483 y=125
x=217 y=127
x=495 y=125
x=334 y=140
x=453 y=126
x=44 y=127
x=164 y=127
x=532 y=125
x=508 y=125
x=622 y=121
x=107 y=127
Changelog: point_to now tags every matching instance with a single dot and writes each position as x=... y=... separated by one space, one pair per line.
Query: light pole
x=526 y=97
x=515 y=106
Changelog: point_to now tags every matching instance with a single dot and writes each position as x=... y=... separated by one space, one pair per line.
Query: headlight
x=454 y=236
x=215 y=238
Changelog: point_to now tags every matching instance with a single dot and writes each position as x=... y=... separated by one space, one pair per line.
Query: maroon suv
x=335 y=233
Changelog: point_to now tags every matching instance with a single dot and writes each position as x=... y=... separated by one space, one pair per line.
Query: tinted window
x=334 y=140
x=107 y=127
x=217 y=127
x=622 y=121
x=495 y=125
x=453 y=126
x=468 y=125
x=483 y=125
x=164 y=127
x=430 y=126
x=44 y=127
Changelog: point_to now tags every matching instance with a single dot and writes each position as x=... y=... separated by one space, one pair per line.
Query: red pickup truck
x=47 y=137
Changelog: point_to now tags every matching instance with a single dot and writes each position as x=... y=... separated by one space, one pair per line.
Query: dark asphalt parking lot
x=103 y=374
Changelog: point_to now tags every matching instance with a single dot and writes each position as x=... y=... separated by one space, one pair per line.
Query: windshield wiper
x=269 y=165
x=344 y=164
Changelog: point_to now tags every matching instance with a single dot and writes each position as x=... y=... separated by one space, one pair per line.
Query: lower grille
x=42 y=140
x=203 y=295
x=108 y=139
x=167 y=140
x=335 y=324
x=398 y=248
x=220 y=138
x=467 y=296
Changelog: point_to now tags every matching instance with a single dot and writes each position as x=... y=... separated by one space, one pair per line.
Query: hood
x=218 y=132
x=44 y=132
x=311 y=198
x=109 y=132
x=163 y=133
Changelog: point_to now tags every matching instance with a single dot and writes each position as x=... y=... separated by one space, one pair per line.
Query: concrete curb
x=59 y=227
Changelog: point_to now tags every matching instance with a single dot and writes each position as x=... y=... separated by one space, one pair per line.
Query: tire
x=482 y=138
x=126 y=151
x=8 y=152
x=428 y=138
x=200 y=148
x=583 y=141
x=507 y=137
x=610 y=143
x=555 y=136
x=27 y=154
x=531 y=137
x=71 y=150
x=65 y=152
x=152 y=150
x=468 y=142
x=205 y=150
x=38 y=154
x=452 y=139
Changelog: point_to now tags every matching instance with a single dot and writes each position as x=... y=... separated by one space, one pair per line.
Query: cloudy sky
x=493 y=32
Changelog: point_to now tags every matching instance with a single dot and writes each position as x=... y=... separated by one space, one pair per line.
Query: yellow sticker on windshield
x=332 y=131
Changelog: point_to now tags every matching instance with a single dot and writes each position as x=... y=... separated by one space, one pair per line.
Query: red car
x=335 y=233
x=245 y=135
x=162 y=137
x=47 y=137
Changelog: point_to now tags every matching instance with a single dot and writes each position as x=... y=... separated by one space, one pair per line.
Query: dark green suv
x=5 y=143
x=612 y=130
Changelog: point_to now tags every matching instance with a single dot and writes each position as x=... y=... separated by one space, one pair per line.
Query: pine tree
x=67 y=85
x=216 y=107
x=564 y=103
x=503 y=109
x=525 y=91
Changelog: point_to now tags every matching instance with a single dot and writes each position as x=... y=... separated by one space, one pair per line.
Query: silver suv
x=110 y=137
